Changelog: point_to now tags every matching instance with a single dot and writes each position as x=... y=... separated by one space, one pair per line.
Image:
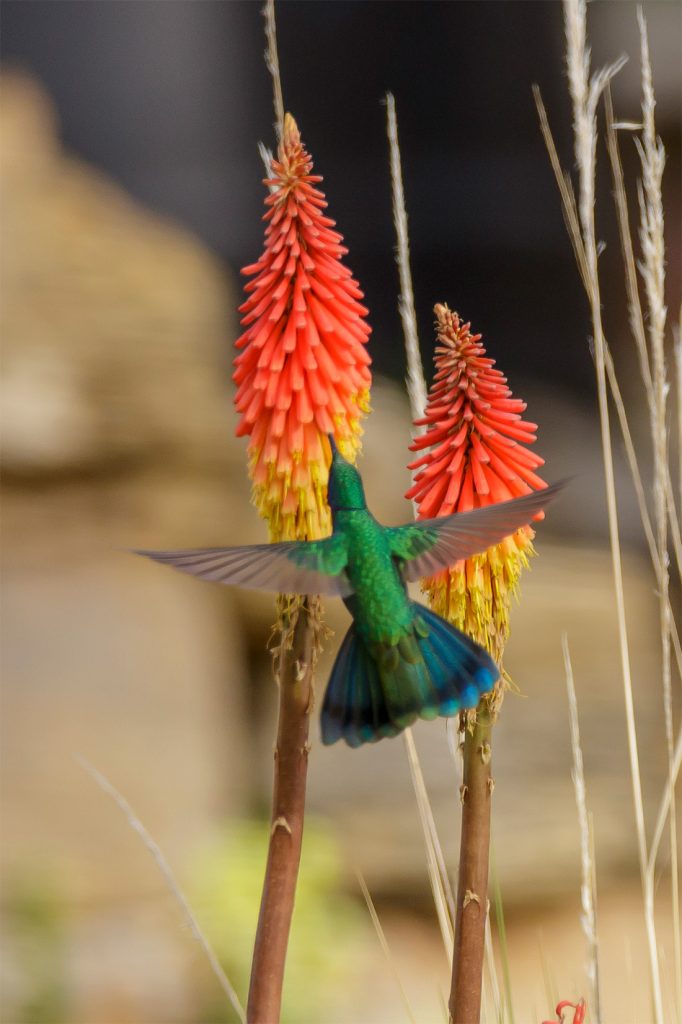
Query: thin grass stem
x=385 y=947
x=416 y=388
x=664 y=807
x=170 y=880
x=416 y=385
x=492 y=974
x=652 y=158
x=585 y=92
x=573 y=227
x=272 y=64
x=438 y=877
x=504 y=949
x=469 y=951
x=551 y=993
x=639 y=491
x=635 y=314
x=678 y=382
x=568 y=202
x=587 y=891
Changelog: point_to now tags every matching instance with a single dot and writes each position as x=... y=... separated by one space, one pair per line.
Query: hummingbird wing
x=296 y=567
x=431 y=545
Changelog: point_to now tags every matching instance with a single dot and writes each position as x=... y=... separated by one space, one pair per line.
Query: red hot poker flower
x=303 y=370
x=475 y=454
x=579 y=1016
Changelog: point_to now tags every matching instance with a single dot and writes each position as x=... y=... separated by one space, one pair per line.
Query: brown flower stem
x=472 y=887
x=298 y=619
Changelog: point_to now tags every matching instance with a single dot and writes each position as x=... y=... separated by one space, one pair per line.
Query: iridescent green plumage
x=399 y=661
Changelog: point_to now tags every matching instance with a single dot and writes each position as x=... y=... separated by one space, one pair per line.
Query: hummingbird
x=399 y=660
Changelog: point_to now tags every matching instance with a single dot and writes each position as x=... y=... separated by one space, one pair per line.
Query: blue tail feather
x=460 y=668
x=337 y=697
x=364 y=703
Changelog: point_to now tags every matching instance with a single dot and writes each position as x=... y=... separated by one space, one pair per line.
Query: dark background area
x=171 y=98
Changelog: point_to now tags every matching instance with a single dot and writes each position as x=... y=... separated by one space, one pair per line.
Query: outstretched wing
x=430 y=545
x=297 y=567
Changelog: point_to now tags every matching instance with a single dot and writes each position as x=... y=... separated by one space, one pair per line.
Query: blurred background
x=131 y=196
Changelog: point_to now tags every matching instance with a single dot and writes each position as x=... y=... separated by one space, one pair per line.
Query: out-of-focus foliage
x=34 y=919
x=328 y=929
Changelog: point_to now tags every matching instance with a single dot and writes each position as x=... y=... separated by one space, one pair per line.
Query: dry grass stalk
x=678 y=392
x=438 y=876
x=508 y=1006
x=587 y=888
x=581 y=246
x=664 y=808
x=416 y=389
x=639 y=491
x=272 y=64
x=416 y=385
x=637 y=323
x=635 y=312
x=385 y=947
x=573 y=227
x=635 y=315
x=492 y=975
x=469 y=971
x=652 y=159
x=170 y=880
x=266 y=156
x=570 y=212
x=585 y=93
x=579 y=216
x=652 y=268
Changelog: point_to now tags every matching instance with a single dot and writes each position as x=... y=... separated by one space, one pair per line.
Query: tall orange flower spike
x=474 y=454
x=303 y=370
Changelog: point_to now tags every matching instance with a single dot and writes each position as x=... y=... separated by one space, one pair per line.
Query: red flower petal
x=473 y=421
x=303 y=367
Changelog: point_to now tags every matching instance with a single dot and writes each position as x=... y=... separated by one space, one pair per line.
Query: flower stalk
x=472 y=884
x=474 y=453
x=302 y=373
x=298 y=626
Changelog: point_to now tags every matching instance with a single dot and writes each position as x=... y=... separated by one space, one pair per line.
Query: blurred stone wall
x=115 y=423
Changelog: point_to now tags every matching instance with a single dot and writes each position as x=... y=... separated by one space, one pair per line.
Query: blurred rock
x=115 y=425
x=114 y=321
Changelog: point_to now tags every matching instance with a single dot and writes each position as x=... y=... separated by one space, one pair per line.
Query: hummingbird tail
x=435 y=671
x=354 y=707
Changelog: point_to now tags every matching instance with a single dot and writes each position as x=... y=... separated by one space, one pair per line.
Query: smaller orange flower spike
x=476 y=456
x=303 y=370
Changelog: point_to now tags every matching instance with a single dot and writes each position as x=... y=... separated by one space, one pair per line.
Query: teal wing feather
x=296 y=567
x=431 y=545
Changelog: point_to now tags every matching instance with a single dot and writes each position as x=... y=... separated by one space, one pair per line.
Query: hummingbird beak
x=332 y=444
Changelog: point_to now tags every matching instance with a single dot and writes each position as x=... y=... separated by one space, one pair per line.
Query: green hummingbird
x=399 y=661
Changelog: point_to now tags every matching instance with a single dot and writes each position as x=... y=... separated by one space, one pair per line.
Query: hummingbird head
x=345 y=490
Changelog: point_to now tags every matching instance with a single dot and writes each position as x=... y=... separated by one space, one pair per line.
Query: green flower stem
x=298 y=619
x=472 y=887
